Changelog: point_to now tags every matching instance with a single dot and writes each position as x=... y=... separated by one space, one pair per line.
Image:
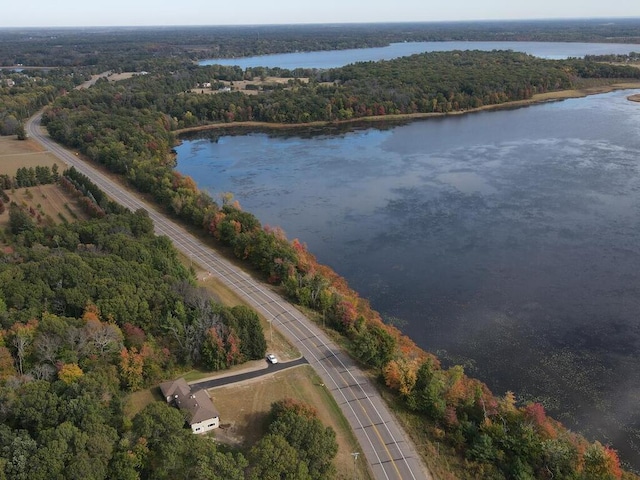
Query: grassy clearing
x=27 y=153
x=244 y=423
x=49 y=201
x=241 y=85
x=138 y=400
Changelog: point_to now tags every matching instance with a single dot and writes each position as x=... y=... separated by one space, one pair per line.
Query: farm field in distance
x=49 y=201
x=27 y=153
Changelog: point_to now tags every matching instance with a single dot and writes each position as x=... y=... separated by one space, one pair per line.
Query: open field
x=49 y=201
x=26 y=153
x=116 y=77
x=243 y=424
x=241 y=85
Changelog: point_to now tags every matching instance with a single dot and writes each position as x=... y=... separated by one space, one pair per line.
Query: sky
x=85 y=13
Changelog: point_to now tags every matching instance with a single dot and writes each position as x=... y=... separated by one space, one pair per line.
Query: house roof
x=197 y=404
x=173 y=387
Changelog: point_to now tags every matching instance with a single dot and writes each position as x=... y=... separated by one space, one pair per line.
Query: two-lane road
x=384 y=444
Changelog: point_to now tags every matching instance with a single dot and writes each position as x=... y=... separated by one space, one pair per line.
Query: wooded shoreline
x=535 y=100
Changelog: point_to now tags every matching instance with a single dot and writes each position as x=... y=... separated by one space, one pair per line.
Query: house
x=201 y=415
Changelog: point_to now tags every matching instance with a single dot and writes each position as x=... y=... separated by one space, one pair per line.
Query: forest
x=93 y=310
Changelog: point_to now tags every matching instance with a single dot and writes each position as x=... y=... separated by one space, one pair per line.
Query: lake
x=339 y=58
x=505 y=241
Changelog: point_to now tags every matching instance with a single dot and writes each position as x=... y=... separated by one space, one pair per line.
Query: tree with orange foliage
x=232 y=344
x=401 y=374
x=131 y=368
x=213 y=351
x=601 y=463
x=536 y=414
x=99 y=337
x=7 y=368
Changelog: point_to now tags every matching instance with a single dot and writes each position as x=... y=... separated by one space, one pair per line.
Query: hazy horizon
x=161 y=13
x=240 y=25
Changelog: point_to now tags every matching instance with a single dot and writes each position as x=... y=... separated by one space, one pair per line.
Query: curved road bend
x=386 y=447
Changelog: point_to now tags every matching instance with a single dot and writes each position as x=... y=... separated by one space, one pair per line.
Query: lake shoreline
x=408 y=117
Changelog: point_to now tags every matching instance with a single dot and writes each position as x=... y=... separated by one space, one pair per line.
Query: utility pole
x=355 y=457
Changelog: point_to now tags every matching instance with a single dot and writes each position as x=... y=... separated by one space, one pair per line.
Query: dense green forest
x=136 y=48
x=127 y=126
x=93 y=310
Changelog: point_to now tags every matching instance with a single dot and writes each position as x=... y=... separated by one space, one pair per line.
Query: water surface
x=507 y=241
x=339 y=58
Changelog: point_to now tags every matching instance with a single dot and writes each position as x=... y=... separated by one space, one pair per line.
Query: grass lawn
x=244 y=408
x=26 y=153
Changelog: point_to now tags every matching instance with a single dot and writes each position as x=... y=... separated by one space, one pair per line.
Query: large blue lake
x=506 y=241
x=339 y=58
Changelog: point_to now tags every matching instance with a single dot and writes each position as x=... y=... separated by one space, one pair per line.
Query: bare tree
x=47 y=347
x=21 y=343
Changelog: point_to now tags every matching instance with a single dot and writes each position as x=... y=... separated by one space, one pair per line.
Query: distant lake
x=505 y=241
x=339 y=58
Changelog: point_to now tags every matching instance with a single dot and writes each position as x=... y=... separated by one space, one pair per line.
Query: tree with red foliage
x=535 y=412
x=133 y=336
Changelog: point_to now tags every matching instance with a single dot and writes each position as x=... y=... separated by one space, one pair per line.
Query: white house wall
x=206 y=426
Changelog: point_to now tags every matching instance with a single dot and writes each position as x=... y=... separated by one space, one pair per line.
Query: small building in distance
x=201 y=415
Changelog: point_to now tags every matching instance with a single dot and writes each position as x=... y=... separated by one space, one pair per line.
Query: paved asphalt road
x=241 y=377
x=386 y=447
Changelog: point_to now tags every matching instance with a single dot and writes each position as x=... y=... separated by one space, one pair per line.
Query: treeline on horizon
x=92 y=311
x=133 y=48
x=127 y=127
